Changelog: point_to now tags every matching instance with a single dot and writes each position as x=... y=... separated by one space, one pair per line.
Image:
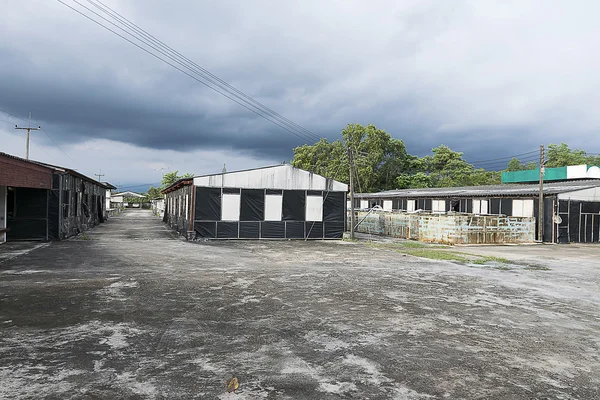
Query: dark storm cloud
x=480 y=78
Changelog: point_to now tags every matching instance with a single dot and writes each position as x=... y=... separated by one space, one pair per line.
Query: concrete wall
x=449 y=228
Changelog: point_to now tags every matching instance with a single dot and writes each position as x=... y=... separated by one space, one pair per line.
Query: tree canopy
x=560 y=155
x=171 y=177
x=382 y=162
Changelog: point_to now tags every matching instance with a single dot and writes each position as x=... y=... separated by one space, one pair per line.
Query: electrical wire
x=215 y=79
x=41 y=148
x=499 y=164
x=507 y=161
x=192 y=74
x=506 y=158
x=45 y=133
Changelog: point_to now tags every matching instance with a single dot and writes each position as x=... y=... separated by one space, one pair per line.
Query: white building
x=277 y=202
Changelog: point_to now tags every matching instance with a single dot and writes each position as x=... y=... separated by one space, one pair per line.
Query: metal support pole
x=352 y=215
x=541 y=197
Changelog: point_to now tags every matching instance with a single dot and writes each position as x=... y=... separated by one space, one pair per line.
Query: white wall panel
x=517 y=208
x=522 y=208
x=230 y=207
x=411 y=205
x=577 y=171
x=476 y=206
x=480 y=206
x=314 y=208
x=273 y=207
x=438 y=205
x=364 y=204
x=592 y=194
x=278 y=177
x=528 y=208
x=387 y=205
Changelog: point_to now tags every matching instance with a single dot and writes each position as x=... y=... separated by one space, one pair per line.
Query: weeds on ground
x=537 y=268
x=424 y=250
x=435 y=254
x=489 y=259
x=84 y=236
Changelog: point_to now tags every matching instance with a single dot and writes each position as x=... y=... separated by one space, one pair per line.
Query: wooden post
x=352 y=216
x=541 y=198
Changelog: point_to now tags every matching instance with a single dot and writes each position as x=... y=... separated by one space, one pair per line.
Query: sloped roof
x=127 y=194
x=550 y=188
x=56 y=168
x=281 y=176
x=109 y=186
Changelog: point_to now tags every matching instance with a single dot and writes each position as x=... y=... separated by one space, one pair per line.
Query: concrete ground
x=131 y=311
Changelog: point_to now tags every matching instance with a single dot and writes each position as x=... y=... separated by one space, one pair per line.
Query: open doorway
x=455 y=205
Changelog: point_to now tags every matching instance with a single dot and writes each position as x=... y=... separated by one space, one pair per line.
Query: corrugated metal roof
x=550 y=188
x=56 y=168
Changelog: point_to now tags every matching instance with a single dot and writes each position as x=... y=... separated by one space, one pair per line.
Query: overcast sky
x=489 y=78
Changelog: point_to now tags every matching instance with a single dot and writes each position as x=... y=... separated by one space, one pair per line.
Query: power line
x=12 y=115
x=42 y=149
x=45 y=133
x=232 y=96
x=115 y=15
x=505 y=158
x=497 y=163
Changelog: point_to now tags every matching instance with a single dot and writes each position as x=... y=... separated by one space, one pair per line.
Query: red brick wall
x=20 y=173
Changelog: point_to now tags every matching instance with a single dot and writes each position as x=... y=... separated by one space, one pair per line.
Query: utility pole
x=28 y=129
x=100 y=175
x=541 y=197
x=352 y=216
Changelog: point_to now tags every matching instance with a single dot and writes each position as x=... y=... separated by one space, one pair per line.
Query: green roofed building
x=553 y=174
x=571 y=201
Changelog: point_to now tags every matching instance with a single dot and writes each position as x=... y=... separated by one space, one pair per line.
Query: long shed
x=40 y=201
x=571 y=208
x=276 y=202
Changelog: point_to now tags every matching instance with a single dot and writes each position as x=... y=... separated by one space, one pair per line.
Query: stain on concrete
x=137 y=313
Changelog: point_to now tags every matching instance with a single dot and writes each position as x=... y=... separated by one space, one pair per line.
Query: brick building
x=40 y=201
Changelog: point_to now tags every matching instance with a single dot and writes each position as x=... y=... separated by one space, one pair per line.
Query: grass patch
x=84 y=236
x=489 y=259
x=537 y=268
x=434 y=254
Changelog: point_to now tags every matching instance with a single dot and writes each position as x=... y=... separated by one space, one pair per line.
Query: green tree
x=379 y=158
x=153 y=193
x=171 y=177
x=447 y=168
x=560 y=155
x=515 y=165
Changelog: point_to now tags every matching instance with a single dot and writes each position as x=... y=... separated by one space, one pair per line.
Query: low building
x=158 y=206
x=40 y=201
x=108 y=197
x=277 y=202
x=571 y=208
x=129 y=199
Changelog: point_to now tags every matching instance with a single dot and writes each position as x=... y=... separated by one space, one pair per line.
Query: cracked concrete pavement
x=134 y=312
